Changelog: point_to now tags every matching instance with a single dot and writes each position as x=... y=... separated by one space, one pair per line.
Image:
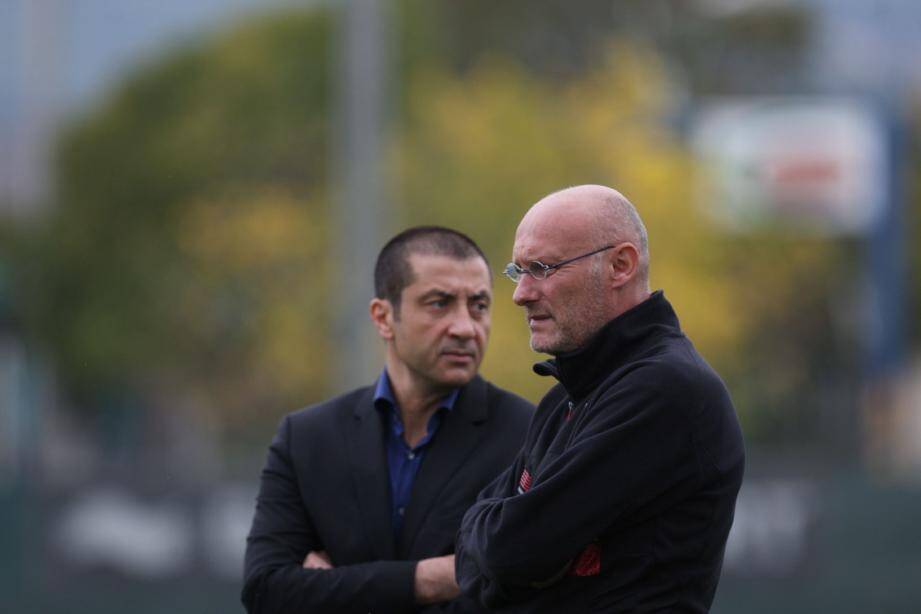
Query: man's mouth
x=536 y=318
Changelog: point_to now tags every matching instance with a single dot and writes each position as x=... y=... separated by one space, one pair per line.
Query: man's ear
x=381 y=312
x=624 y=264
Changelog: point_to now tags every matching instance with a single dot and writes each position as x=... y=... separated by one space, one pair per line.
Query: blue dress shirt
x=403 y=461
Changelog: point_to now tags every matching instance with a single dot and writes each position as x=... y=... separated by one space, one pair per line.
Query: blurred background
x=192 y=195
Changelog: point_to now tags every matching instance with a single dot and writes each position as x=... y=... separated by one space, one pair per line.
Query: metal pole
x=886 y=260
x=362 y=207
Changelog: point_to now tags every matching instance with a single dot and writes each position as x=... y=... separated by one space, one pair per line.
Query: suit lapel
x=370 y=475
x=455 y=440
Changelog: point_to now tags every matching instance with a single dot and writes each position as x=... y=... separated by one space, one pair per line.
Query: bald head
x=591 y=216
x=593 y=260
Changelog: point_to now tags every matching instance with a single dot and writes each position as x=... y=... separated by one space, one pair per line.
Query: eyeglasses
x=539 y=270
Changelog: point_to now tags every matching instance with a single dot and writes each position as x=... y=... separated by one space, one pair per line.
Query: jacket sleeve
x=281 y=536
x=632 y=449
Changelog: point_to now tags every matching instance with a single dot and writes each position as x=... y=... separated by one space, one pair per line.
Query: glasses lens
x=537 y=270
x=512 y=271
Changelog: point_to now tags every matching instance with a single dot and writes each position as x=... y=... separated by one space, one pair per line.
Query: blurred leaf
x=186 y=260
x=478 y=150
x=189 y=230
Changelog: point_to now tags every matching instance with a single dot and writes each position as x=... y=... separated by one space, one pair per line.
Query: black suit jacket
x=325 y=486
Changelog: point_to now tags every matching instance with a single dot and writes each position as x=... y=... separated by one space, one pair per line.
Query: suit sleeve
x=281 y=536
x=632 y=450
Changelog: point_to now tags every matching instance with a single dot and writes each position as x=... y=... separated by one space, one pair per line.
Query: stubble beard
x=580 y=323
x=564 y=340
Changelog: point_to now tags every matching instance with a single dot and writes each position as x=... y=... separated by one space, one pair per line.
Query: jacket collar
x=457 y=438
x=581 y=370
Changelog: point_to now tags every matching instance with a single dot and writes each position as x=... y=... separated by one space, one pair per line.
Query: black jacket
x=325 y=486
x=623 y=496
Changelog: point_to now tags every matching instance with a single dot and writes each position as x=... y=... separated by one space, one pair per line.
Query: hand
x=435 y=581
x=317 y=559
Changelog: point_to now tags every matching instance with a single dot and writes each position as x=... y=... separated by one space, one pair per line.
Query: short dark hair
x=393 y=272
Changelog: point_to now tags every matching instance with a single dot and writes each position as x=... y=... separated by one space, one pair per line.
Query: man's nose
x=525 y=290
x=462 y=325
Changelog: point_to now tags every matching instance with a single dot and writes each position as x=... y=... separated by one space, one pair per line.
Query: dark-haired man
x=622 y=497
x=362 y=495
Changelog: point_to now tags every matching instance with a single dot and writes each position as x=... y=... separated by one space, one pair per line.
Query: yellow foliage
x=257 y=278
x=479 y=150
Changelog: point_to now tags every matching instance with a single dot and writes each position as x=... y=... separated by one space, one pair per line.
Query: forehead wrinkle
x=549 y=243
x=453 y=287
x=449 y=271
x=438 y=292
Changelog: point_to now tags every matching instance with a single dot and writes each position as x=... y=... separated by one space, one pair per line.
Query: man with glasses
x=623 y=495
x=362 y=495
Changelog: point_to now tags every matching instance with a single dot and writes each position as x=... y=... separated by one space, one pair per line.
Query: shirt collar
x=384 y=397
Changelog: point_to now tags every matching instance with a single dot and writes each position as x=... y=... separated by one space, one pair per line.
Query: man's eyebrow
x=479 y=296
x=435 y=292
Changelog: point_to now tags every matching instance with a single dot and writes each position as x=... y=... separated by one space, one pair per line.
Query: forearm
x=434 y=580
x=619 y=463
x=283 y=533
x=375 y=586
x=475 y=570
x=496 y=570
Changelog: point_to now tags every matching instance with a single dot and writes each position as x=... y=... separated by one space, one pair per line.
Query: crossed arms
x=433 y=581
x=629 y=454
x=288 y=570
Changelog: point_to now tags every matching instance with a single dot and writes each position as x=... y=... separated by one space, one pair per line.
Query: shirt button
x=401 y=511
x=411 y=455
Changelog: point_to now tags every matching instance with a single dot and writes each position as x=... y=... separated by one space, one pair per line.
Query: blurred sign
x=818 y=166
x=773 y=530
x=116 y=529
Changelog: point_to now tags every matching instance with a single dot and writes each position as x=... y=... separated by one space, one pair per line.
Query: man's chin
x=457 y=377
x=540 y=343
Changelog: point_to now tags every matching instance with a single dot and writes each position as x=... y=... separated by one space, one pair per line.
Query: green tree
x=187 y=258
x=188 y=201
x=479 y=149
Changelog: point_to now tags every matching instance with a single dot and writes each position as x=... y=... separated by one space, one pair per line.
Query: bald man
x=622 y=497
